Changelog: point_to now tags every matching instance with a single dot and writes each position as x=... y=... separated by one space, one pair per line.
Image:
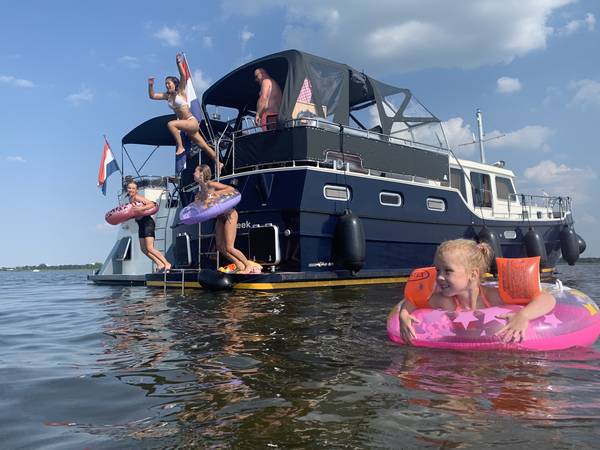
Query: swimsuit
x=146 y=227
x=177 y=103
x=483 y=297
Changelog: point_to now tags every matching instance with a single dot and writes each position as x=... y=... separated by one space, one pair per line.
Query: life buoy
x=574 y=322
x=126 y=211
x=195 y=212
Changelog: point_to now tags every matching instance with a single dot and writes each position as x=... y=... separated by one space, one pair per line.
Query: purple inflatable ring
x=125 y=212
x=196 y=213
x=574 y=322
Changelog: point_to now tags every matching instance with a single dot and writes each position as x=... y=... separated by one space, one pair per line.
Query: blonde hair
x=475 y=256
x=206 y=172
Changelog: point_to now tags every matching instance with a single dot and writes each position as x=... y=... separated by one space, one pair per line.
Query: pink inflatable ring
x=196 y=213
x=125 y=212
x=574 y=322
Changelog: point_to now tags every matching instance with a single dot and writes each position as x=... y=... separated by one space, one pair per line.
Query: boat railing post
x=165 y=282
x=182 y=282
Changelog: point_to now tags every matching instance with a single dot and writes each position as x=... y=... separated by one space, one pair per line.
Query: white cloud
x=559 y=179
x=18 y=82
x=245 y=36
x=201 y=83
x=587 y=92
x=17 y=159
x=169 y=36
x=84 y=95
x=393 y=36
x=129 y=61
x=458 y=132
x=207 y=41
x=529 y=138
x=508 y=85
x=589 y=22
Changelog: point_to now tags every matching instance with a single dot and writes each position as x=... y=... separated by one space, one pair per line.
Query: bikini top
x=176 y=103
x=483 y=297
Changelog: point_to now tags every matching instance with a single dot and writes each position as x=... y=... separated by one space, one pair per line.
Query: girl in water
x=178 y=102
x=226 y=223
x=146 y=228
x=460 y=266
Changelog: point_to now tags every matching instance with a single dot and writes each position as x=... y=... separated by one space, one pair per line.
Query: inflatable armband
x=420 y=286
x=518 y=279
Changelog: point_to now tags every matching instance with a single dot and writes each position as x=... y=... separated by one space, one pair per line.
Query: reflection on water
x=111 y=367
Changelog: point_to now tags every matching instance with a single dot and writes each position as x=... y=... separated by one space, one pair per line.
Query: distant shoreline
x=43 y=267
x=95 y=266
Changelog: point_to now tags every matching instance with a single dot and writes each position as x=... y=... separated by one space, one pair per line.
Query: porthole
x=390 y=199
x=436 y=204
x=339 y=193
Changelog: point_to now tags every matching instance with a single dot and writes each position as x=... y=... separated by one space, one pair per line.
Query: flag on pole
x=190 y=92
x=108 y=166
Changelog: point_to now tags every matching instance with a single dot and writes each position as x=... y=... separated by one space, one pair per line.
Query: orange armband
x=518 y=279
x=420 y=286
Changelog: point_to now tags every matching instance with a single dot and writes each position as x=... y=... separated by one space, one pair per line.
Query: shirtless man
x=269 y=99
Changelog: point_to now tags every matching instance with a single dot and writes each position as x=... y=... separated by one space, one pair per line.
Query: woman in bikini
x=146 y=227
x=226 y=223
x=178 y=102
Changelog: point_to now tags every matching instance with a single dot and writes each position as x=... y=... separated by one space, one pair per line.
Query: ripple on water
x=111 y=367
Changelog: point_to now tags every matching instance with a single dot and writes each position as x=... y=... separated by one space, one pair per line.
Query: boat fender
x=349 y=245
x=518 y=279
x=569 y=246
x=491 y=238
x=581 y=243
x=535 y=246
x=214 y=280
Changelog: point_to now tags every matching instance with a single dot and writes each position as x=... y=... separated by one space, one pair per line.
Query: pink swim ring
x=126 y=211
x=574 y=322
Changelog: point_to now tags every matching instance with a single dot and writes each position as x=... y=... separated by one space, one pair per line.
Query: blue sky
x=74 y=71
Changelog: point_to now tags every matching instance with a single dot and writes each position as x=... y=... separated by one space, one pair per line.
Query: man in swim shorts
x=269 y=100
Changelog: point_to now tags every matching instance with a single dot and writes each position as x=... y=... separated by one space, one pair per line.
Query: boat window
x=320 y=92
x=390 y=199
x=332 y=192
x=510 y=234
x=457 y=181
x=123 y=251
x=504 y=189
x=481 y=187
x=436 y=204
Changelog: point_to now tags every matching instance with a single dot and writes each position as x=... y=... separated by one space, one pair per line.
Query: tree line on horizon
x=42 y=266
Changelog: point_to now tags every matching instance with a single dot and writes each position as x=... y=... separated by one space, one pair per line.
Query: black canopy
x=334 y=89
x=152 y=132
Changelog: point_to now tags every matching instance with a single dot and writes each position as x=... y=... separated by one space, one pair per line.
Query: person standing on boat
x=186 y=122
x=269 y=100
x=146 y=228
x=226 y=223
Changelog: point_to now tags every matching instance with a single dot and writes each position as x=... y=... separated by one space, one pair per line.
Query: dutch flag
x=190 y=92
x=108 y=165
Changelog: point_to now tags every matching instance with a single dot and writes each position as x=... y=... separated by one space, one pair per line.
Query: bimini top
x=323 y=88
x=152 y=132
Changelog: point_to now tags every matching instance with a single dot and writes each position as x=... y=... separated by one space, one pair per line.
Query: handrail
x=319 y=122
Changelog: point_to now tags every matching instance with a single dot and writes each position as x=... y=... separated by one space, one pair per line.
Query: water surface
x=130 y=367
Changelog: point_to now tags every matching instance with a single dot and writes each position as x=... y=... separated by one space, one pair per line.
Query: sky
x=72 y=72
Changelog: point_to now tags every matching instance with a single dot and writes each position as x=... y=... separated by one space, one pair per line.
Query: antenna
x=480 y=128
x=481 y=139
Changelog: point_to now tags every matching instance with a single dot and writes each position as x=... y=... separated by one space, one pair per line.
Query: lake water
x=85 y=366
